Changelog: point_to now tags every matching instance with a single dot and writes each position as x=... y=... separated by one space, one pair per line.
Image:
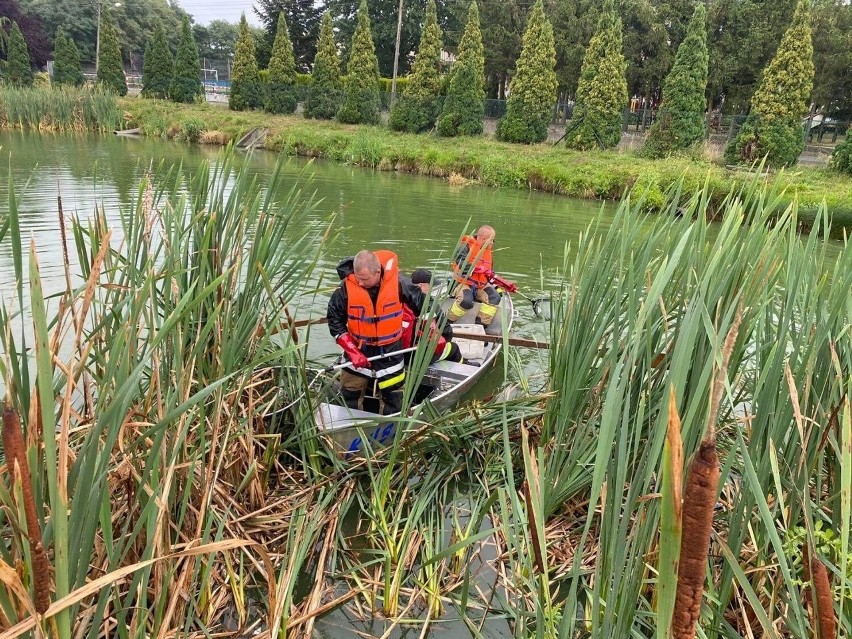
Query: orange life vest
x=477 y=256
x=379 y=324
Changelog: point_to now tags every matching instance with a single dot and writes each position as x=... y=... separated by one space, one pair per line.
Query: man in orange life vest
x=473 y=271
x=365 y=319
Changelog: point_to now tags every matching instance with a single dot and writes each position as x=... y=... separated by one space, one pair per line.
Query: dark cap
x=421 y=276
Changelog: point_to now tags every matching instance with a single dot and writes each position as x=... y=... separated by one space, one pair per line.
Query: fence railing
x=816 y=128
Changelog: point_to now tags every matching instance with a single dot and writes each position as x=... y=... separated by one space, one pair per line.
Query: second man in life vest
x=365 y=318
x=473 y=271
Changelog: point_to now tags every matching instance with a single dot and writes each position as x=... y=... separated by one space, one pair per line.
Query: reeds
x=555 y=515
x=59 y=109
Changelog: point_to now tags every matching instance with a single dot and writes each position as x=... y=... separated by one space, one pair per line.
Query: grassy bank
x=598 y=175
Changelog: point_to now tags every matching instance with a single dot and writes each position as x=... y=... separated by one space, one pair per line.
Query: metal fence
x=817 y=128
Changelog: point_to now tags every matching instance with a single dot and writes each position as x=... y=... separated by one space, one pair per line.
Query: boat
x=355 y=432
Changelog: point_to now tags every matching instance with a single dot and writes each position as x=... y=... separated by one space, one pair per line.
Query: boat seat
x=470 y=349
x=453 y=370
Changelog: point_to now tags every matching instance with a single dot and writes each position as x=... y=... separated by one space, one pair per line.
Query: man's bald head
x=485 y=233
x=367 y=269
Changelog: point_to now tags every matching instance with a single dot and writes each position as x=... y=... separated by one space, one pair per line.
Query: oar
x=513 y=341
x=476 y=337
x=337 y=367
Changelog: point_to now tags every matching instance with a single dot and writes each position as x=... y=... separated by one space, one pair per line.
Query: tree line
x=743 y=36
x=452 y=103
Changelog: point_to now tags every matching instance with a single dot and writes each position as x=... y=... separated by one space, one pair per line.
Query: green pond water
x=419 y=218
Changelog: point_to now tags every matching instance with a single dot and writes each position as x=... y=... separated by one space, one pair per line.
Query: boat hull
x=355 y=432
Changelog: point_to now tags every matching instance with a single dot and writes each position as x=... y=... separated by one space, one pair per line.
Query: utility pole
x=396 y=54
x=98 y=42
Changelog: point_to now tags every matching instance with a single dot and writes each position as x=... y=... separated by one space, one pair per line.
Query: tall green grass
x=167 y=505
x=59 y=109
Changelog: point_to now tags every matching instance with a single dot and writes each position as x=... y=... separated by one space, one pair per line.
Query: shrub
x=841 y=158
x=191 y=129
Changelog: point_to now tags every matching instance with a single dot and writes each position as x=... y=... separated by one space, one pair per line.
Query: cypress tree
x=774 y=124
x=66 y=61
x=532 y=93
x=186 y=81
x=19 y=71
x=157 y=65
x=417 y=108
x=281 y=89
x=325 y=91
x=361 y=88
x=464 y=106
x=110 y=67
x=602 y=88
x=681 y=120
x=246 y=89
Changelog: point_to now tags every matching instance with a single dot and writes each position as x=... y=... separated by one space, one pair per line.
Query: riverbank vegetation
x=172 y=488
x=63 y=108
x=590 y=175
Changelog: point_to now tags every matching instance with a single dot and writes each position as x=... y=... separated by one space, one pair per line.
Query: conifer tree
x=417 y=107
x=246 y=89
x=110 y=67
x=532 y=93
x=157 y=65
x=681 y=120
x=186 y=81
x=66 y=61
x=602 y=88
x=774 y=124
x=19 y=71
x=361 y=88
x=464 y=106
x=281 y=88
x=325 y=91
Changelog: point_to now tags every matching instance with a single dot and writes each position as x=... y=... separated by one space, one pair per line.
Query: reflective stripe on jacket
x=476 y=256
x=379 y=324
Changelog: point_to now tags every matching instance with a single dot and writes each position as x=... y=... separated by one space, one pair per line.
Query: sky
x=203 y=11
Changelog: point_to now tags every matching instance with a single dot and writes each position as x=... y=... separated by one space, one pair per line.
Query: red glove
x=481 y=269
x=358 y=359
x=506 y=285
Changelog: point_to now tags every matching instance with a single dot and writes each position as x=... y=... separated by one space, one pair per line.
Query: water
x=419 y=218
